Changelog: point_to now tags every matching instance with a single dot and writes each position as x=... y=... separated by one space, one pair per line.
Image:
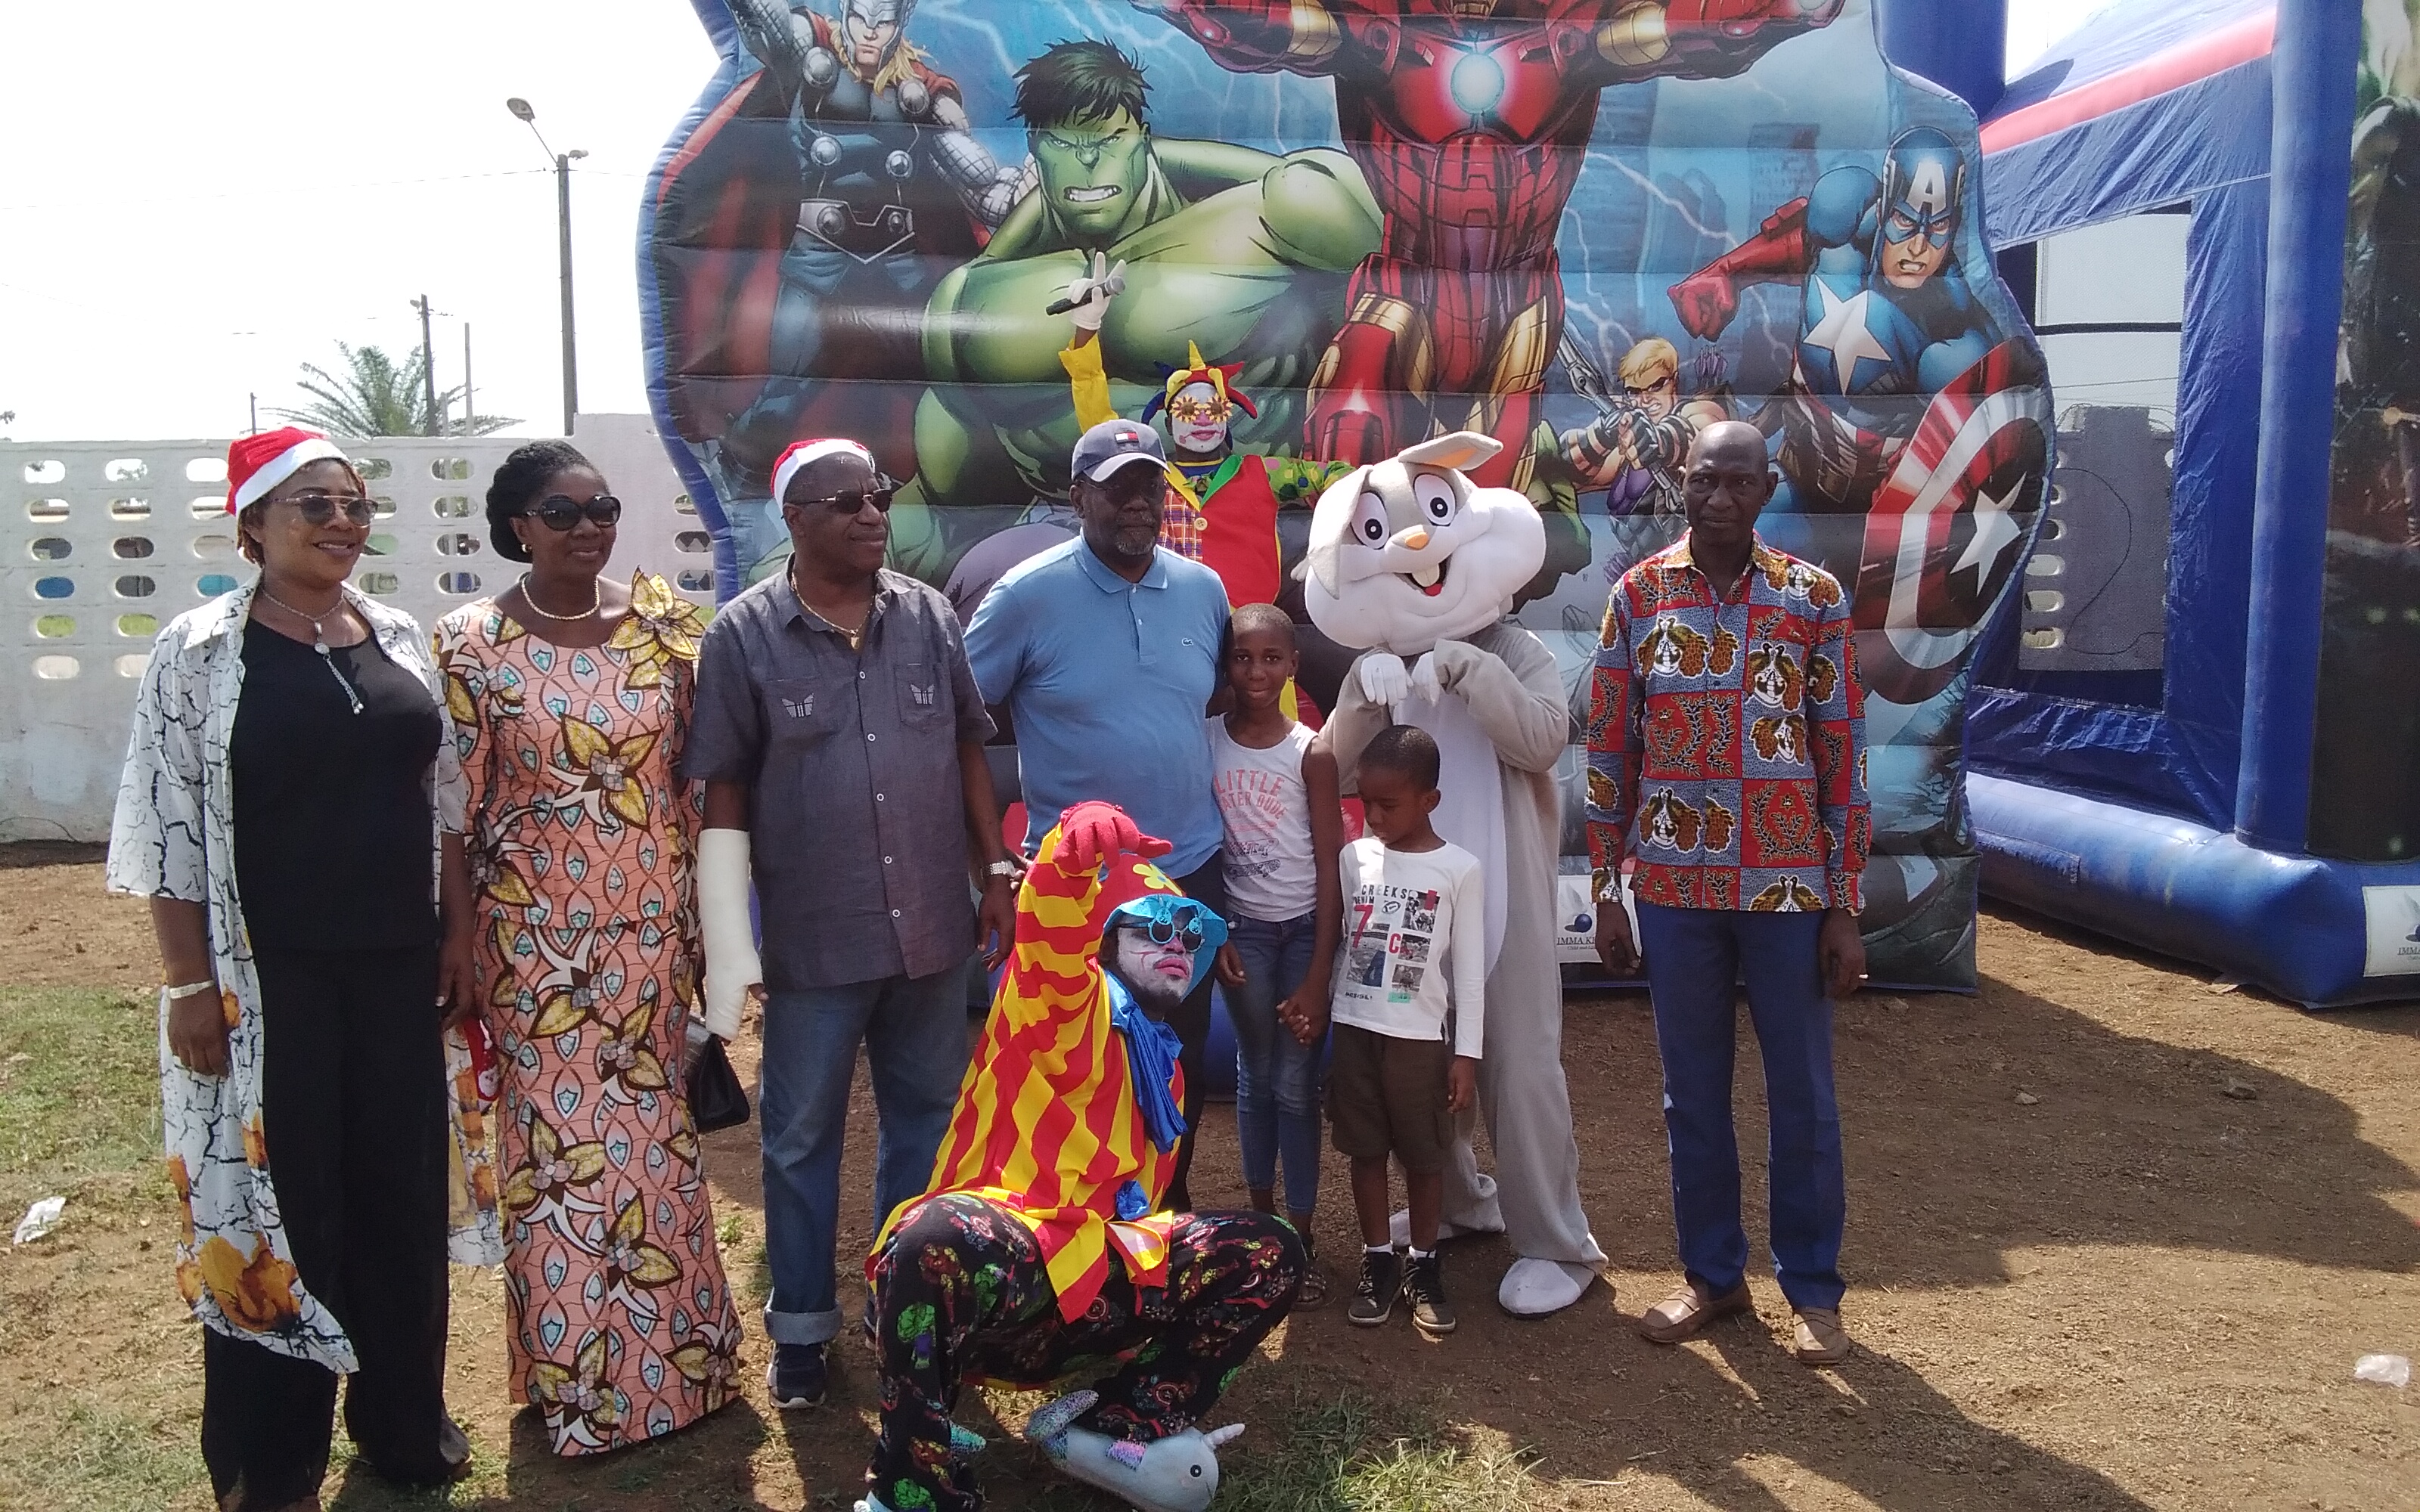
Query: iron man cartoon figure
x=1469 y=119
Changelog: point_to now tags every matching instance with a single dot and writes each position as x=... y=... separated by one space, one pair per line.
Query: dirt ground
x=2116 y=1238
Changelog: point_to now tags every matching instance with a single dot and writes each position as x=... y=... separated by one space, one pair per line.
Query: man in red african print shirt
x=1727 y=753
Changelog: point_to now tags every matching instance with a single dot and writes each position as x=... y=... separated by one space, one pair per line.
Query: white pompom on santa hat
x=256 y=464
x=798 y=455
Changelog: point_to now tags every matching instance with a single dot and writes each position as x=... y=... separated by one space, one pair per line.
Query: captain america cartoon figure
x=1889 y=319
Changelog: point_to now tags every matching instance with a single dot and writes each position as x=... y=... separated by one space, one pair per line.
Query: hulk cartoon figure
x=1237 y=253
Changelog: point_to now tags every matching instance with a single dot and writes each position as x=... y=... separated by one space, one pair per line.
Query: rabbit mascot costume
x=1415 y=566
x=1043 y=1246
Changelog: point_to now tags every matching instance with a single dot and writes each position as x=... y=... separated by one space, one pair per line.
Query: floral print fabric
x=172 y=836
x=962 y=1295
x=621 y=1323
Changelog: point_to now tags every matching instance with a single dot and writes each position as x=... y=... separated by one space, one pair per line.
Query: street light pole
x=570 y=347
x=563 y=160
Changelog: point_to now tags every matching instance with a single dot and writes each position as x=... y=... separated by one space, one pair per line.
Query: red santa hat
x=796 y=457
x=256 y=464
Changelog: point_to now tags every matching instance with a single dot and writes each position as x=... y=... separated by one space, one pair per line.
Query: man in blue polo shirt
x=1102 y=653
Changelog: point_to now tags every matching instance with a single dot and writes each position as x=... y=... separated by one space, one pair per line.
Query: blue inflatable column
x=1962 y=45
x=2310 y=174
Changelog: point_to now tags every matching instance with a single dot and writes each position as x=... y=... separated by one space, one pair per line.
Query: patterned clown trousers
x=961 y=1294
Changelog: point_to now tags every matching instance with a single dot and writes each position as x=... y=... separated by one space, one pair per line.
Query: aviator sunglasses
x=561 y=513
x=319 y=508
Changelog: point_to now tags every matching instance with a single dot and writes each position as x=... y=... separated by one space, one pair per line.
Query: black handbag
x=716 y=1099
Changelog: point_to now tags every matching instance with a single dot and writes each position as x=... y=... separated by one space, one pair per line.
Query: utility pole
x=430 y=423
x=469 y=411
x=255 y=414
x=522 y=112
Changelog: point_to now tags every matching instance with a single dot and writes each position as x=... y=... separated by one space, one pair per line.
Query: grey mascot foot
x=1178 y=1474
x=1533 y=1287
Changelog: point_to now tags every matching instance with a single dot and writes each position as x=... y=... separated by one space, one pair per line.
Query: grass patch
x=95 y=1459
x=79 y=1098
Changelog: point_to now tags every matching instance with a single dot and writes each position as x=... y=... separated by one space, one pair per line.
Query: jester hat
x=1197 y=371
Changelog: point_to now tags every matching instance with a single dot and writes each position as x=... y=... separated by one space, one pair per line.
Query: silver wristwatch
x=1004 y=870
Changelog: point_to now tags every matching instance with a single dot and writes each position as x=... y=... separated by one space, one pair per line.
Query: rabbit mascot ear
x=1407 y=552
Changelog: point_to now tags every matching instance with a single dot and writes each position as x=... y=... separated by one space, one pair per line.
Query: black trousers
x=1205 y=883
x=354 y=1118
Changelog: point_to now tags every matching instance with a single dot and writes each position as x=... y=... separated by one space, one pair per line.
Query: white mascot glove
x=1089 y=296
x=1384 y=681
x=732 y=966
x=1424 y=678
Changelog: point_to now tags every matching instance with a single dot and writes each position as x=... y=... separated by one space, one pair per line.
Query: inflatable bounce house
x=2199 y=728
x=1587 y=229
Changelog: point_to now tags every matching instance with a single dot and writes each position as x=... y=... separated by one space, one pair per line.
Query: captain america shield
x=1947 y=532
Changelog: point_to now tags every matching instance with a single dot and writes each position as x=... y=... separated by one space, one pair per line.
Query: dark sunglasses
x=561 y=513
x=1168 y=931
x=319 y=508
x=879 y=496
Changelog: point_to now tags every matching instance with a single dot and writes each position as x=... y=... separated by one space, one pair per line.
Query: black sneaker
x=1382 y=1282
x=1424 y=1284
x=797 y=1375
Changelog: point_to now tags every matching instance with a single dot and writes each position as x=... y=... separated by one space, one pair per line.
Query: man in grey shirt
x=840 y=735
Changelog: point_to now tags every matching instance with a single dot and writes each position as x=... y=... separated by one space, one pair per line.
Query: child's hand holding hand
x=1461 y=1084
x=1305 y=1013
x=1229 y=966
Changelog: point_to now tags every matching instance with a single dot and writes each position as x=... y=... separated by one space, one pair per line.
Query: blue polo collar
x=1105 y=578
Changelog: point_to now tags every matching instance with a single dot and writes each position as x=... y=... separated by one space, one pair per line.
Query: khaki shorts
x=1386 y=1097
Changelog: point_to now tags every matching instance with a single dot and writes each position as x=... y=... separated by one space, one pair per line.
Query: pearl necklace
x=320 y=641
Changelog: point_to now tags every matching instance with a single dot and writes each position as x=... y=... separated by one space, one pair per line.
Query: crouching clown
x=1040 y=1244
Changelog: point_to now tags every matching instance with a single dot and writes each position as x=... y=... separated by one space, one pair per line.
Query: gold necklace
x=596 y=601
x=856 y=637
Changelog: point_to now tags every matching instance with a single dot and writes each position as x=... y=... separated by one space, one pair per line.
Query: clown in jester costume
x=1041 y=1251
x=1222 y=504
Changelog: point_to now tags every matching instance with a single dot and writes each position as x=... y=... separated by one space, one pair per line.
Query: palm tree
x=378 y=397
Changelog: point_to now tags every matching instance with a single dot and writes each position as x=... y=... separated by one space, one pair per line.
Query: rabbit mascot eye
x=1415 y=566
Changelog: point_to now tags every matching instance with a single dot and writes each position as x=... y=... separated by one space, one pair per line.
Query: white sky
x=198 y=198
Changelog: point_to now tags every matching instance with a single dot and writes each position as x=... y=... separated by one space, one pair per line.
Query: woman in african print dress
x=571 y=696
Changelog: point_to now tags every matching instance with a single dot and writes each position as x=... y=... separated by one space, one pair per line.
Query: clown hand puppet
x=1416 y=566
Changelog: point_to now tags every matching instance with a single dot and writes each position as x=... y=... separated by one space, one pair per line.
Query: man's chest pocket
x=923 y=697
x=800 y=710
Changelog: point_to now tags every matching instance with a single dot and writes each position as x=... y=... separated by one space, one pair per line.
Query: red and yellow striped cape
x=1047 y=1126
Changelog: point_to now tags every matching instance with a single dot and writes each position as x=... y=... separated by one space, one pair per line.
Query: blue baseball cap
x=1112 y=444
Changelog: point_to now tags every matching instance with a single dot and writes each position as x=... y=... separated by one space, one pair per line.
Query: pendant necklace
x=856 y=637
x=320 y=641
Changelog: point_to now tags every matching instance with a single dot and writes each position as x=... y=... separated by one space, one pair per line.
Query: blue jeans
x=1277 y=1075
x=1693 y=957
x=914 y=1029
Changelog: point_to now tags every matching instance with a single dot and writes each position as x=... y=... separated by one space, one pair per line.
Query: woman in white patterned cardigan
x=290 y=787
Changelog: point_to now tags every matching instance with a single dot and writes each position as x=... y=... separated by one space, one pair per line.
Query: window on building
x=2107 y=303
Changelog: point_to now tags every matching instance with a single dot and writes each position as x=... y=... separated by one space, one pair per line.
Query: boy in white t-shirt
x=1407 y=1006
x=1278 y=800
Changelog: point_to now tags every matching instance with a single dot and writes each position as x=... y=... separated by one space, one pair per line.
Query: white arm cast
x=732 y=966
